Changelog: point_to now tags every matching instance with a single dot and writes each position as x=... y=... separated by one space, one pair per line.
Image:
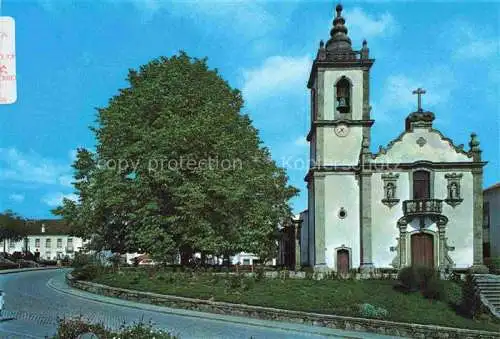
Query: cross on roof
x=419 y=91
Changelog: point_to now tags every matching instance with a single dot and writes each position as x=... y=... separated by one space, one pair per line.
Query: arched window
x=421 y=185
x=343 y=95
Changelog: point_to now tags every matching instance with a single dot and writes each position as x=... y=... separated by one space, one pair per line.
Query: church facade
x=416 y=201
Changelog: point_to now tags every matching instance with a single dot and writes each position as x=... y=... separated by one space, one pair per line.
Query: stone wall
x=266 y=313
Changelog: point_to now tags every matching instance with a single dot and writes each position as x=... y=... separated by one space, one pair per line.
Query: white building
x=48 y=237
x=417 y=201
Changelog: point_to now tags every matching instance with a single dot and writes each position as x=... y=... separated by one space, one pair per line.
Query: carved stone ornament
x=454 y=197
x=390 y=189
x=421 y=141
x=449 y=263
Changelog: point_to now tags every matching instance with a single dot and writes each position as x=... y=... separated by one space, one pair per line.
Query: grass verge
x=338 y=297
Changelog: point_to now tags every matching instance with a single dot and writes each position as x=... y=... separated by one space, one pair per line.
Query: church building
x=418 y=201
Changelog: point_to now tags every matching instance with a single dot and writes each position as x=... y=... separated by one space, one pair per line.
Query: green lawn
x=339 y=297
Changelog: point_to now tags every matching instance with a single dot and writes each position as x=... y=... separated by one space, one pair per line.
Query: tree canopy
x=12 y=227
x=178 y=167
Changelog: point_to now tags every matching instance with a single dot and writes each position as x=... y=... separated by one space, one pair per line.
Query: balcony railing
x=422 y=207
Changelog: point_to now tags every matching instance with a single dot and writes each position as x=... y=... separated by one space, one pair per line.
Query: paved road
x=36 y=299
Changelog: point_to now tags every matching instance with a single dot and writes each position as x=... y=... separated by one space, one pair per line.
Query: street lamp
x=26 y=240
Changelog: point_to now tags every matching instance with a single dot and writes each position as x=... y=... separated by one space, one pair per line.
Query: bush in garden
x=370 y=311
x=434 y=289
x=415 y=278
x=260 y=273
x=471 y=302
x=72 y=328
x=82 y=259
x=408 y=278
x=425 y=275
x=87 y=272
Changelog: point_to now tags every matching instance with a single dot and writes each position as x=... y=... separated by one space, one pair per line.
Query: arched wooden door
x=422 y=250
x=342 y=261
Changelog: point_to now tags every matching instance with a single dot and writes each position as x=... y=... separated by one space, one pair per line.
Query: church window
x=343 y=95
x=342 y=213
x=421 y=185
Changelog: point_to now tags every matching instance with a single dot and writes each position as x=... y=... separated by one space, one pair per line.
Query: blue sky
x=72 y=56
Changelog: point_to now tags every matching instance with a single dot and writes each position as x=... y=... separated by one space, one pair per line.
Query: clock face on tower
x=342 y=130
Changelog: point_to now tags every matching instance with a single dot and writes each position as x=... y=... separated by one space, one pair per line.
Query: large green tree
x=178 y=167
x=12 y=227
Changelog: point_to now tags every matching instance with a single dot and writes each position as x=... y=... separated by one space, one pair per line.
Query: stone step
x=489 y=288
x=492 y=297
x=488 y=281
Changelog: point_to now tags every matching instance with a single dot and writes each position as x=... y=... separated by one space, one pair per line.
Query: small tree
x=471 y=302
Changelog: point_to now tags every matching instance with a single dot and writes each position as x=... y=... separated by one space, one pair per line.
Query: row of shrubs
x=73 y=328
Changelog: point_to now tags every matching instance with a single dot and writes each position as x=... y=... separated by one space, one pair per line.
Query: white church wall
x=342 y=151
x=385 y=218
x=355 y=76
x=435 y=149
x=341 y=190
x=459 y=229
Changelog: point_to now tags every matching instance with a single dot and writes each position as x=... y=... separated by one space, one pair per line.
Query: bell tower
x=339 y=139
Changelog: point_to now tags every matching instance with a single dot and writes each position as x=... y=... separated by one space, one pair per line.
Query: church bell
x=343 y=105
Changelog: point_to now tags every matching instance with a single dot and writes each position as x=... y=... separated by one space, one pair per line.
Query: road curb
x=28 y=269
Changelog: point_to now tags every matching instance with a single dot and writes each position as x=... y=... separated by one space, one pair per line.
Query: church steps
x=488 y=286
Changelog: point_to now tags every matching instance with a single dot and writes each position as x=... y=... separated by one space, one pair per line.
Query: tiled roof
x=52 y=227
x=494 y=187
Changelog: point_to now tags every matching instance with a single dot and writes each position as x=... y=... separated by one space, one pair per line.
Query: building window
x=342 y=213
x=12 y=243
x=421 y=185
x=47 y=244
x=246 y=261
x=70 y=241
x=47 y=255
x=37 y=242
x=59 y=243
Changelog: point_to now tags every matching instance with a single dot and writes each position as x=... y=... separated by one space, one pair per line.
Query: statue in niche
x=454 y=191
x=390 y=191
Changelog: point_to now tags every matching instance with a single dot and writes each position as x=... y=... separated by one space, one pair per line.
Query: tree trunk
x=186 y=254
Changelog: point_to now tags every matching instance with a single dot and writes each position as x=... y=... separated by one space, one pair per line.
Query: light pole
x=26 y=233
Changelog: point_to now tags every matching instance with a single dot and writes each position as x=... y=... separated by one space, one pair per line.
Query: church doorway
x=342 y=261
x=422 y=250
